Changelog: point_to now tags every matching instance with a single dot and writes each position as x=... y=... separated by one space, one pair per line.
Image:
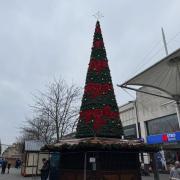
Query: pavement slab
x=15 y=174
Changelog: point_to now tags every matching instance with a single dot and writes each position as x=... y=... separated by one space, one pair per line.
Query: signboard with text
x=163 y=138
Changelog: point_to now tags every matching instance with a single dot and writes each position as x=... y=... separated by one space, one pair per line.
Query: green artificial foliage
x=98 y=54
x=86 y=146
x=86 y=130
x=101 y=77
x=99 y=102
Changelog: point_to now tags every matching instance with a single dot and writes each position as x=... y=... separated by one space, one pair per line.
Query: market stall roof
x=101 y=144
x=33 y=145
x=164 y=75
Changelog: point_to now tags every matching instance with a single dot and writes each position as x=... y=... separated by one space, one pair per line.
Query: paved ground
x=162 y=177
x=15 y=175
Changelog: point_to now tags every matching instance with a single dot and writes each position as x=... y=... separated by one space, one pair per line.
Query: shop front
x=170 y=145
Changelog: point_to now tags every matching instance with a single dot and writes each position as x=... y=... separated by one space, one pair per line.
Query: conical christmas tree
x=99 y=114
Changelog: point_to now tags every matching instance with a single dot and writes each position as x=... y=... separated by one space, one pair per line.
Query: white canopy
x=164 y=75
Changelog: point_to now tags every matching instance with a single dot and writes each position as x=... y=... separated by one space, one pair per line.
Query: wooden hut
x=32 y=158
x=99 y=158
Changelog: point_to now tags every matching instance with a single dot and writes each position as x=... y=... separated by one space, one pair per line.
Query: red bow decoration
x=98 y=116
x=94 y=89
x=110 y=114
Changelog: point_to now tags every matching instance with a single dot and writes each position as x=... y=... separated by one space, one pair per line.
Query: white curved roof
x=164 y=75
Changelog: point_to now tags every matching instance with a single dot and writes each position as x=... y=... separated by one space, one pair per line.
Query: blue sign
x=163 y=138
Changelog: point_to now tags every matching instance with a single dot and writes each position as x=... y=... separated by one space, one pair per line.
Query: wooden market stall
x=32 y=158
x=99 y=158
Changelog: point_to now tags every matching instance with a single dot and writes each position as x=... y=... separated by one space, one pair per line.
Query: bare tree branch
x=56 y=112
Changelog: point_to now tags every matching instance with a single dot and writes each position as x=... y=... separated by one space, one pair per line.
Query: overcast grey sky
x=45 y=39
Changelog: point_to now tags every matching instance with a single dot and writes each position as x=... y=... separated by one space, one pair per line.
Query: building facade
x=12 y=153
x=129 y=120
x=153 y=116
x=156 y=115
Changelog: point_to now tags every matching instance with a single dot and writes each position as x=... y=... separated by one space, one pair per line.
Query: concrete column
x=138 y=129
x=143 y=130
x=146 y=158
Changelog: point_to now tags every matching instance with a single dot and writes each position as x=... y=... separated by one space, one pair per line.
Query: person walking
x=175 y=172
x=9 y=166
x=18 y=163
x=4 y=165
x=45 y=169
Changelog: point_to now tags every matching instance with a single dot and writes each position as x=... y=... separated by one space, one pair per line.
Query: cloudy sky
x=45 y=39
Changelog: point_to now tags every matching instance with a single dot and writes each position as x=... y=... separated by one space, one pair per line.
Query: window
x=162 y=125
x=130 y=131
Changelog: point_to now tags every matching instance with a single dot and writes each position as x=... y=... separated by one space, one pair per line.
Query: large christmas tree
x=99 y=114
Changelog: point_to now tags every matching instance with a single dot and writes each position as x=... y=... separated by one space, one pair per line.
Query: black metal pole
x=85 y=161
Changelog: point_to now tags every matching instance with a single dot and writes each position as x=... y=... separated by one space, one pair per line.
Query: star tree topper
x=98 y=15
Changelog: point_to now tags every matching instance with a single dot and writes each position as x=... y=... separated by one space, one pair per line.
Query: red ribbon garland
x=98 y=29
x=99 y=116
x=98 y=44
x=98 y=65
x=94 y=89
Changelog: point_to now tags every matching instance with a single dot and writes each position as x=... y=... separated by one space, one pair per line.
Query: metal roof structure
x=164 y=75
x=33 y=145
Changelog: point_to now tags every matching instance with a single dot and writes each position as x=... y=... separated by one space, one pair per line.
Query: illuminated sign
x=163 y=138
